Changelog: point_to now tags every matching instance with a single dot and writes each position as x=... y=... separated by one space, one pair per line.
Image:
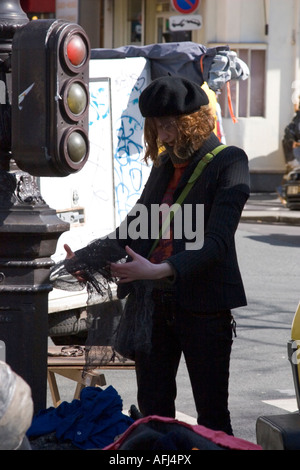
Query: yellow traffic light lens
x=76 y=50
x=77 y=147
x=77 y=98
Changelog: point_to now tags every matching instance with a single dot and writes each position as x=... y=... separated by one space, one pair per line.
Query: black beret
x=171 y=96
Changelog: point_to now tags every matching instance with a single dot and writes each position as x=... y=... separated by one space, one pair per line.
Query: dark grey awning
x=219 y=64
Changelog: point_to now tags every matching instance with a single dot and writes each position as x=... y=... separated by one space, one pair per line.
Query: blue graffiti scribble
x=128 y=153
x=140 y=82
x=99 y=104
x=127 y=144
x=127 y=138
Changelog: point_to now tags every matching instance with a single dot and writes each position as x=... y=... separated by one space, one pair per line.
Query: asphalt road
x=260 y=379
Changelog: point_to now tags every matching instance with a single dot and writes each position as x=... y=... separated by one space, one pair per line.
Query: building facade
x=264 y=33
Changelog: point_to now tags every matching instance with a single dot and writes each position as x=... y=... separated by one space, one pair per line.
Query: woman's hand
x=139 y=268
x=71 y=254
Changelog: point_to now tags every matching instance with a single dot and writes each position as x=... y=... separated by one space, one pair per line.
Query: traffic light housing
x=50 y=97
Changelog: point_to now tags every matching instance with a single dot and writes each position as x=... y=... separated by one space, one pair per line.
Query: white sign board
x=128 y=79
x=185 y=22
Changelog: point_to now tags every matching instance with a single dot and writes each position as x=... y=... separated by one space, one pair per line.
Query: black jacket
x=207 y=279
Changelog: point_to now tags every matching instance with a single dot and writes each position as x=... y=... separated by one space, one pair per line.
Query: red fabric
x=164 y=247
x=218 y=437
x=38 y=6
x=234 y=119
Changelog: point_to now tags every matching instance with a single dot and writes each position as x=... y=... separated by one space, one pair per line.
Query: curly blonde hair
x=193 y=130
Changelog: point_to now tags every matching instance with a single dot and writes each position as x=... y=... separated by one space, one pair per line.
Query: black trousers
x=205 y=341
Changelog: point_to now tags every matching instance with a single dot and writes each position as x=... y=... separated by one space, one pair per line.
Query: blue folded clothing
x=92 y=422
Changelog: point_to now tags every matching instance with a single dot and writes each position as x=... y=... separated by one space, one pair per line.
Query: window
x=135 y=15
x=247 y=96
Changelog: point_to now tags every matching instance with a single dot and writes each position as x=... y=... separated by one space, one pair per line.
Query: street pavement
x=269 y=208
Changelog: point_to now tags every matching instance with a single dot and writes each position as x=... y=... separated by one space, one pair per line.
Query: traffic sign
x=185 y=22
x=185 y=6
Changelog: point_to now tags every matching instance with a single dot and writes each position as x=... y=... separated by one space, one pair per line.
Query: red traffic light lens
x=76 y=50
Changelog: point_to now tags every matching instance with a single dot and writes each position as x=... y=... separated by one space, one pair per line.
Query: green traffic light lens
x=76 y=50
x=77 y=147
x=77 y=98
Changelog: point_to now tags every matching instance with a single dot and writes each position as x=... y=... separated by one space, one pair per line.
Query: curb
x=279 y=217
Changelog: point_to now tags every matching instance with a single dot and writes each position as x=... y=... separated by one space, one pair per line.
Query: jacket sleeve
x=231 y=194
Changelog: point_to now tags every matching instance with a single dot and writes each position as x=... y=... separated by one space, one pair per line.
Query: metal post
x=29 y=230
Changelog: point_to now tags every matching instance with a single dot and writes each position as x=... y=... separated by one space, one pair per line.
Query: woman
x=195 y=284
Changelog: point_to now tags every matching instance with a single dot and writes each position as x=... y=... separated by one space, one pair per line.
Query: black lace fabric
x=116 y=328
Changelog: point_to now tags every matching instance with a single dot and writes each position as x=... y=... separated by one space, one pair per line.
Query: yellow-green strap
x=196 y=173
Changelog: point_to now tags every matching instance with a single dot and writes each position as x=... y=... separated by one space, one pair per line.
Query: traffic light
x=50 y=97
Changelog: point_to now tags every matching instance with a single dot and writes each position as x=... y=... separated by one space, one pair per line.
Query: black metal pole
x=29 y=230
